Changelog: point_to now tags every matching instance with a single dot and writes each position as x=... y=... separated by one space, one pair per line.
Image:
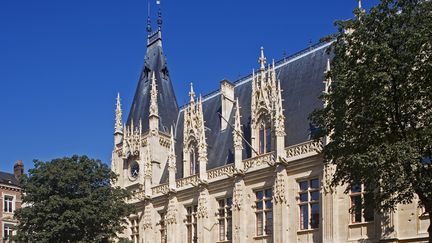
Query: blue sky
x=63 y=62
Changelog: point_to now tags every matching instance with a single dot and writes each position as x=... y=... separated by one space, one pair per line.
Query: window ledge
x=360 y=223
x=224 y=241
x=304 y=231
x=262 y=237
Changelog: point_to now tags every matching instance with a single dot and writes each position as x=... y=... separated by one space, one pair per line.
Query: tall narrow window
x=308 y=201
x=264 y=138
x=361 y=204
x=191 y=224
x=163 y=229
x=134 y=230
x=7 y=232
x=264 y=212
x=8 y=204
x=225 y=219
x=194 y=164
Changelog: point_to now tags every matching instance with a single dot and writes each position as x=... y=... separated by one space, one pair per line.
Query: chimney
x=18 y=169
x=227 y=99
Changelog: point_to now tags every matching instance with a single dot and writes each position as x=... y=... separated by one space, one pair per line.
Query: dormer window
x=264 y=138
x=193 y=159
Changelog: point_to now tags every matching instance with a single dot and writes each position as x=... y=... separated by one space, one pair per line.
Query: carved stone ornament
x=202 y=206
x=267 y=97
x=279 y=190
x=237 y=198
x=132 y=140
x=147 y=224
x=171 y=215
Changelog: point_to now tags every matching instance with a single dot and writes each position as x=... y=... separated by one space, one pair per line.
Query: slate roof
x=301 y=77
x=8 y=179
x=167 y=103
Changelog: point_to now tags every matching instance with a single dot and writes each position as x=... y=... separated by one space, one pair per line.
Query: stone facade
x=10 y=193
x=270 y=185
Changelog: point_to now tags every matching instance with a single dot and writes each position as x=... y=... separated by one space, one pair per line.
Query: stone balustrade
x=220 y=171
x=186 y=181
x=160 y=189
x=304 y=148
x=258 y=160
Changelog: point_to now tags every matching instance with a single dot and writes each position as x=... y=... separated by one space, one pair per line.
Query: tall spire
x=153 y=97
x=360 y=4
x=118 y=116
x=328 y=80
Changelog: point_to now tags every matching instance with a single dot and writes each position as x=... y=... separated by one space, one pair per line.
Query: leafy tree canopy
x=378 y=112
x=71 y=200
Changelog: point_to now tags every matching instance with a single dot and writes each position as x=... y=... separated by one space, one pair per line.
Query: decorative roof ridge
x=281 y=62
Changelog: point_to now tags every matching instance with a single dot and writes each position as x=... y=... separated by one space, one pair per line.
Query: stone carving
x=237 y=197
x=118 y=117
x=160 y=189
x=202 y=206
x=221 y=171
x=258 y=160
x=304 y=148
x=186 y=181
x=237 y=132
x=171 y=215
x=194 y=130
x=147 y=224
x=279 y=190
x=267 y=97
x=153 y=97
x=132 y=140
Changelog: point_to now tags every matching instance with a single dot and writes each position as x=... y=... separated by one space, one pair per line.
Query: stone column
x=238 y=212
x=148 y=224
x=281 y=215
x=203 y=221
x=172 y=220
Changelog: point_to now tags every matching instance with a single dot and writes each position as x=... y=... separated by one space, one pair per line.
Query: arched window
x=264 y=138
x=193 y=159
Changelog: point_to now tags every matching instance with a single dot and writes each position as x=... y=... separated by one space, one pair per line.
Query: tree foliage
x=71 y=200
x=378 y=112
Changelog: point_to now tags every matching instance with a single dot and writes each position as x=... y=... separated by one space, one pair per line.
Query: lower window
x=308 y=201
x=264 y=212
x=225 y=219
x=361 y=204
x=191 y=224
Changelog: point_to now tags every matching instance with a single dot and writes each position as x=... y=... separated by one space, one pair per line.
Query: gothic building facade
x=240 y=164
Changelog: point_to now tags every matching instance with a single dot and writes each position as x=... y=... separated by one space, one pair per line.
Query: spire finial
x=159 y=20
x=328 y=65
x=118 y=116
x=262 y=60
x=360 y=4
x=148 y=18
x=191 y=93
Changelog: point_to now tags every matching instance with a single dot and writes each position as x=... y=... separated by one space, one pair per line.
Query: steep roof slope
x=154 y=61
x=301 y=78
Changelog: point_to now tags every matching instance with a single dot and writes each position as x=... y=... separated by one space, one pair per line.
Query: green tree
x=71 y=200
x=378 y=111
